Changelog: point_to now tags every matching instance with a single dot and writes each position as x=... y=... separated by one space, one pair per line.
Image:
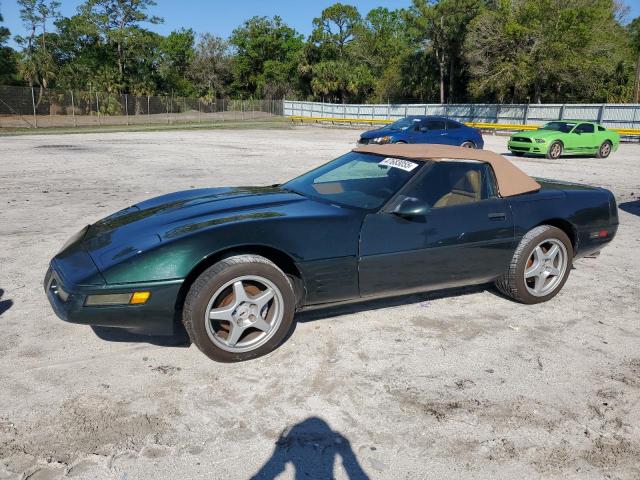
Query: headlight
x=540 y=140
x=381 y=140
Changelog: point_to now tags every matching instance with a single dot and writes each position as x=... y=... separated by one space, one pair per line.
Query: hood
x=536 y=134
x=380 y=132
x=163 y=219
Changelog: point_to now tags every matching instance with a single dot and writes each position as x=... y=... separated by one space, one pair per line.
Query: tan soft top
x=511 y=180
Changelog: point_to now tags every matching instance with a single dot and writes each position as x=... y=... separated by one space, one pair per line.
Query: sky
x=220 y=17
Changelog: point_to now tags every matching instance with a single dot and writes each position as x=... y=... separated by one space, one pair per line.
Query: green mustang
x=566 y=137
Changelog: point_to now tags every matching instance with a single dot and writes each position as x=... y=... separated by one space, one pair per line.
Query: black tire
x=555 y=150
x=518 y=154
x=605 y=149
x=215 y=277
x=513 y=282
x=468 y=144
x=400 y=142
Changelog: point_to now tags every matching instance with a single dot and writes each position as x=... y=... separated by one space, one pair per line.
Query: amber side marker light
x=135 y=298
x=139 y=298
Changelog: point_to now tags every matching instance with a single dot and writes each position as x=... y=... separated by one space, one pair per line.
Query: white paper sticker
x=405 y=165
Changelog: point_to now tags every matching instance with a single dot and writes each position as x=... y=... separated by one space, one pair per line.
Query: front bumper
x=528 y=147
x=155 y=317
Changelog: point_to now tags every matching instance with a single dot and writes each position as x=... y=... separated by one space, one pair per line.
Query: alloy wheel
x=546 y=267
x=244 y=313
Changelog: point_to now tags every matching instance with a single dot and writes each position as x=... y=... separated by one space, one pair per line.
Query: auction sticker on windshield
x=405 y=165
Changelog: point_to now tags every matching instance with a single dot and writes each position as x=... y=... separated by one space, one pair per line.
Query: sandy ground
x=429 y=386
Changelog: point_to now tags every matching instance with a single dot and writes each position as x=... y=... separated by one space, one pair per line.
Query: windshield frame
x=422 y=164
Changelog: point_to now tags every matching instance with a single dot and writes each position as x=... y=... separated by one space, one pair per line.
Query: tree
x=334 y=29
x=210 y=69
x=117 y=22
x=547 y=50
x=440 y=28
x=381 y=43
x=634 y=30
x=266 y=56
x=37 y=64
x=175 y=54
x=8 y=68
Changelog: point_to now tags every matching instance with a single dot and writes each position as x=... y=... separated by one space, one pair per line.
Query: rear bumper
x=588 y=245
x=155 y=317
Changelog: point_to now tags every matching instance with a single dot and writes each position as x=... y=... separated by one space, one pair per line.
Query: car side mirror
x=411 y=207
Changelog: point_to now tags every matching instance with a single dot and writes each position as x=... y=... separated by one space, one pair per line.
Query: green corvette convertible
x=565 y=138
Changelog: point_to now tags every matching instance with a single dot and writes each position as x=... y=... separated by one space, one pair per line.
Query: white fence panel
x=610 y=115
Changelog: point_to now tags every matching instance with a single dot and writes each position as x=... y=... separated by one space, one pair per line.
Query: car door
x=466 y=237
x=430 y=131
x=583 y=139
x=455 y=133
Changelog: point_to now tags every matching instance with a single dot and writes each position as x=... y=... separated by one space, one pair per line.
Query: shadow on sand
x=632 y=207
x=4 y=304
x=312 y=448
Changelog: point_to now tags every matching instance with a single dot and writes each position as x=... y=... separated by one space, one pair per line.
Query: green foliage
x=210 y=69
x=266 y=55
x=546 y=50
x=8 y=60
x=435 y=50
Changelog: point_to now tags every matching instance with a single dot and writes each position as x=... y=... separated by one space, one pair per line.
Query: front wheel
x=468 y=144
x=555 y=150
x=240 y=308
x=540 y=266
x=605 y=149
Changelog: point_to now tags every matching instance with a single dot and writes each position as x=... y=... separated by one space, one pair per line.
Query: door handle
x=443 y=133
x=497 y=216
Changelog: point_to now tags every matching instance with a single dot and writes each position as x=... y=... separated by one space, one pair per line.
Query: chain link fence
x=26 y=107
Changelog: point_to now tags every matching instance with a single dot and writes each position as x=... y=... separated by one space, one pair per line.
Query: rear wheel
x=240 y=308
x=540 y=266
x=605 y=149
x=555 y=150
x=468 y=144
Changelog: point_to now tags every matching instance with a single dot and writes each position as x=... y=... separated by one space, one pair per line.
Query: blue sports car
x=424 y=129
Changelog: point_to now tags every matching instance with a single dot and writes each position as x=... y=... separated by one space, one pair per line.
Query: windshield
x=403 y=123
x=359 y=180
x=564 y=127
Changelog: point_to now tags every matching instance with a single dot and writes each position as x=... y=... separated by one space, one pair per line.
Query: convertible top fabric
x=511 y=180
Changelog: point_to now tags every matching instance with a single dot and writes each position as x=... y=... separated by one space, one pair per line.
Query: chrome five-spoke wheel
x=545 y=267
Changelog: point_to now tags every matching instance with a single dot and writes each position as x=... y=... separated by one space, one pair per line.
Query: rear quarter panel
x=578 y=208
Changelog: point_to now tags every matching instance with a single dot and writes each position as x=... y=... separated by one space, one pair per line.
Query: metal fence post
x=73 y=110
x=526 y=114
x=561 y=112
x=98 y=108
x=33 y=103
x=126 y=106
x=148 y=111
x=166 y=97
x=603 y=107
